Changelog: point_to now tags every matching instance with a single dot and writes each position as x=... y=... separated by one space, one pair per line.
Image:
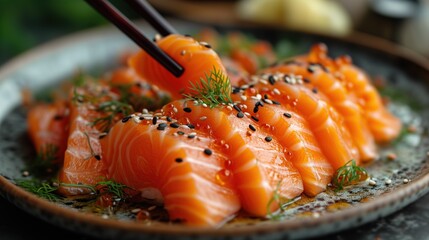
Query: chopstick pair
x=143 y=8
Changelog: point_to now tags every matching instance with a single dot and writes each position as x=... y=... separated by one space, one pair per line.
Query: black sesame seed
x=306 y=80
x=180 y=133
x=259 y=103
x=191 y=136
x=310 y=69
x=178 y=160
x=236 y=90
x=187 y=109
x=271 y=79
x=237 y=108
x=255 y=118
x=141 y=118
x=169 y=119
x=314 y=90
x=191 y=126
x=125 y=119
x=240 y=114
x=288 y=115
x=256 y=109
x=163 y=125
x=268 y=138
x=265 y=96
x=58 y=117
x=275 y=102
x=252 y=127
x=160 y=128
x=154 y=120
x=208 y=152
x=174 y=125
x=98 y=157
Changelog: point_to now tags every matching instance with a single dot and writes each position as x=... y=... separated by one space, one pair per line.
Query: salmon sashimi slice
x=184 y=168
x=333 y=139
x=293 y=133
x=83 y=163
x=383 y=125
x=257 y=160
x=48 y=128
x=197 y=58
x=319 y=80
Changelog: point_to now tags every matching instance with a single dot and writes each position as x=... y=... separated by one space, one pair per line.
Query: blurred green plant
x=24 y=24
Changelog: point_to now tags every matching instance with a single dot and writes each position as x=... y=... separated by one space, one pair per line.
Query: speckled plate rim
x=297 y=228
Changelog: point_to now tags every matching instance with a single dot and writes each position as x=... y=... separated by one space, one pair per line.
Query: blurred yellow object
x=322 y=16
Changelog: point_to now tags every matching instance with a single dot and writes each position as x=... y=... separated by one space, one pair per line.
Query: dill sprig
x=281 y=201
x=112 y=187
x=40 y=188
x=111 y=109
x=348 y=174
x=213 y=90
x=48 y=189
x=45 y=161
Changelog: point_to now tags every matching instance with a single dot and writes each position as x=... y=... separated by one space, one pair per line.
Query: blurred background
x=26 y=24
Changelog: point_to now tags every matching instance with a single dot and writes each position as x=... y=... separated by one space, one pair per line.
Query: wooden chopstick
x=152 y=16
x=126 y=26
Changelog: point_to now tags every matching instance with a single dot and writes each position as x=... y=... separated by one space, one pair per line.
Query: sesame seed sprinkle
x=174 y=125
x=288 y=115
x=252 y=127
x=240 y=114
x=178 y=160
x=255 y=118
x=154 y=120
x=268 y=138
x=208 y=152
x=187 y=109
x=125 y=119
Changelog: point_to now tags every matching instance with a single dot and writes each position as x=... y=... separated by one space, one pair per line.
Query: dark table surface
x=410 y=223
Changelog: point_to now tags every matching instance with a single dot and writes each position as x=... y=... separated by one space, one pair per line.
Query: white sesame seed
x=406 y=180
x=259 y=96
x=243 y=97
x=276 y=91
x=204 y=105
x=136 y=120
x=263 y=81
x=193 y=134
x=229 y=108
x=247 y=114
x=105 y=216
x=175 y=109
x=25 y=173
x=145 y=111
x=195 y=102
x=203 y=118
x=268 y=101
x=388 y=181
x=371 y=182
x=135 y=210
x=151 y=208
x=245 y=86
x=316 y=215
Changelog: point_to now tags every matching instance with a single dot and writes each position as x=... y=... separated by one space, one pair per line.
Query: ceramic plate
x=398 y=182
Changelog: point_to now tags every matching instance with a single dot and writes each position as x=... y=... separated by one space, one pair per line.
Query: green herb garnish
x=348 y=174
x=48 y=190
x=214 y=89
x=111 y=109
x=40 y=188
x=45 y=161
